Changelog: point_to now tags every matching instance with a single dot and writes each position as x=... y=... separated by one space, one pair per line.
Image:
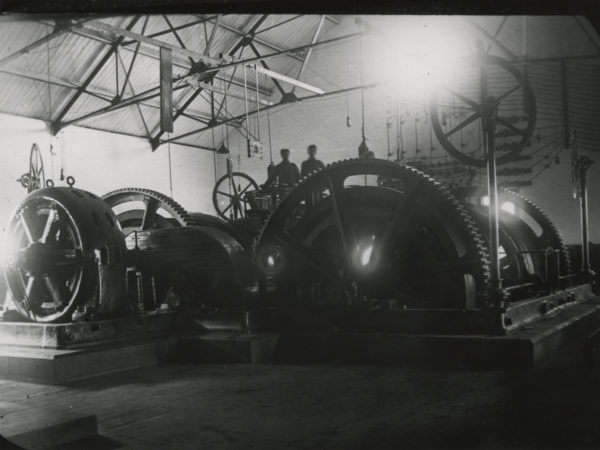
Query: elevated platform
x=526 y=346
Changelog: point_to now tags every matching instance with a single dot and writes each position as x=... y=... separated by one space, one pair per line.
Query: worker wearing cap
x=312 y=163
x=286 y=172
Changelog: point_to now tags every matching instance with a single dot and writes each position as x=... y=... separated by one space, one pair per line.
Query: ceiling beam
x=177 y=28
x=60 y=28
x=56 y=123
x=290 y=50
x=286 y=79
x=256 y=39
x=149 y=52
x=153 y=42
x=307 y=57
x=241 y=117
x=155 y=140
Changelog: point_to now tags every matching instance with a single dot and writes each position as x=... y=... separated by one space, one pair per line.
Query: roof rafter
x=147 y=52
x=155 y=140
x=56 y=123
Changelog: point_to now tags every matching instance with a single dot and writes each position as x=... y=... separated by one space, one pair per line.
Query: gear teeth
x=555 y=237
x=170 y=205
x=482 y=274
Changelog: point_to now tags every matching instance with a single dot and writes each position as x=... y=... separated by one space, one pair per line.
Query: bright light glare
x=365 y=257
x=501 y=252
x=419 y=53
x=270 y=261
x=509 y=207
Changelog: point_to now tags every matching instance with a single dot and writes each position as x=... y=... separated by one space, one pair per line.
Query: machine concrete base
x=44 y=427
x=55 y=366
x=59 y=353
x=227 y=348
x=524 y=347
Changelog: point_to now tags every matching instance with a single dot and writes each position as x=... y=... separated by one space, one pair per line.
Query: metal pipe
x=496 y=281
x=583 y=164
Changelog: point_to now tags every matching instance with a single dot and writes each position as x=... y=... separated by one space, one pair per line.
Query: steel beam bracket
x=154 y=143
x=247 y=40
x=288 y=97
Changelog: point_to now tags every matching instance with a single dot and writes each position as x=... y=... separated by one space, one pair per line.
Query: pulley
x=486 y=82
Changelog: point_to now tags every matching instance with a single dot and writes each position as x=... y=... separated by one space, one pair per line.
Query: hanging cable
x=269 y=131
x=49 y=107
x=170 y=166
x=257 y=105
x=246 y=102
x=362 y=83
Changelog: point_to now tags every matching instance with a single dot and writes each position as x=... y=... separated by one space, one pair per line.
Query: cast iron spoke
x=476 y=106
x=336 y=188
x=507 y=124
x=150 y=213
x=26 y=228
x=306 y=253
x=54 y=291
x=507 y=93
x=403 y=214
x=461 y=125
x=52 y=216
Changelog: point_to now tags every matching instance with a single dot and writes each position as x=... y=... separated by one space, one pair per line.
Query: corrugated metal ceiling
x=74 y=54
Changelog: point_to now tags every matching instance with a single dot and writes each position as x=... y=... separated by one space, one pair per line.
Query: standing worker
x=286 y=172
x=312 y=163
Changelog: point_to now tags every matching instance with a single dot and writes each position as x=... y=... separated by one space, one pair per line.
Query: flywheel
x=357 y=240
x=61 y=238
x=143 y=209
x=457 y=110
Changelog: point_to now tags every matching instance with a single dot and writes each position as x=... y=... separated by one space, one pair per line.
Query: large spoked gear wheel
x=143 y=209
x=369 y=230
x=527 y=237
x=484 y=81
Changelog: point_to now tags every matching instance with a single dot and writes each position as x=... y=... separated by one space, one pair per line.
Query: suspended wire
x=362 y=82
x=269 y=131
x=170 y=165
x=49 y=107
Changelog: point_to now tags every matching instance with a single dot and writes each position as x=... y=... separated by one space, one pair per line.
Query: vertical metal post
x=565 y=102
x=583 y=164
x=166 y=90
x=496 y=281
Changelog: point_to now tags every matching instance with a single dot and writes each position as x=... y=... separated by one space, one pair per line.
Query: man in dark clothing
x=286 y=172
x=312 y=163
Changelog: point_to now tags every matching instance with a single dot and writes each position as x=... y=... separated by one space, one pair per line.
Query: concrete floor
x=333 y=407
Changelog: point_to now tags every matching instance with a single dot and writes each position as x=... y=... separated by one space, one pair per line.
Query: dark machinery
x=533 y=256
x=71 y=256
x=193 y=261
x=364 y=245
x=68 y=253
